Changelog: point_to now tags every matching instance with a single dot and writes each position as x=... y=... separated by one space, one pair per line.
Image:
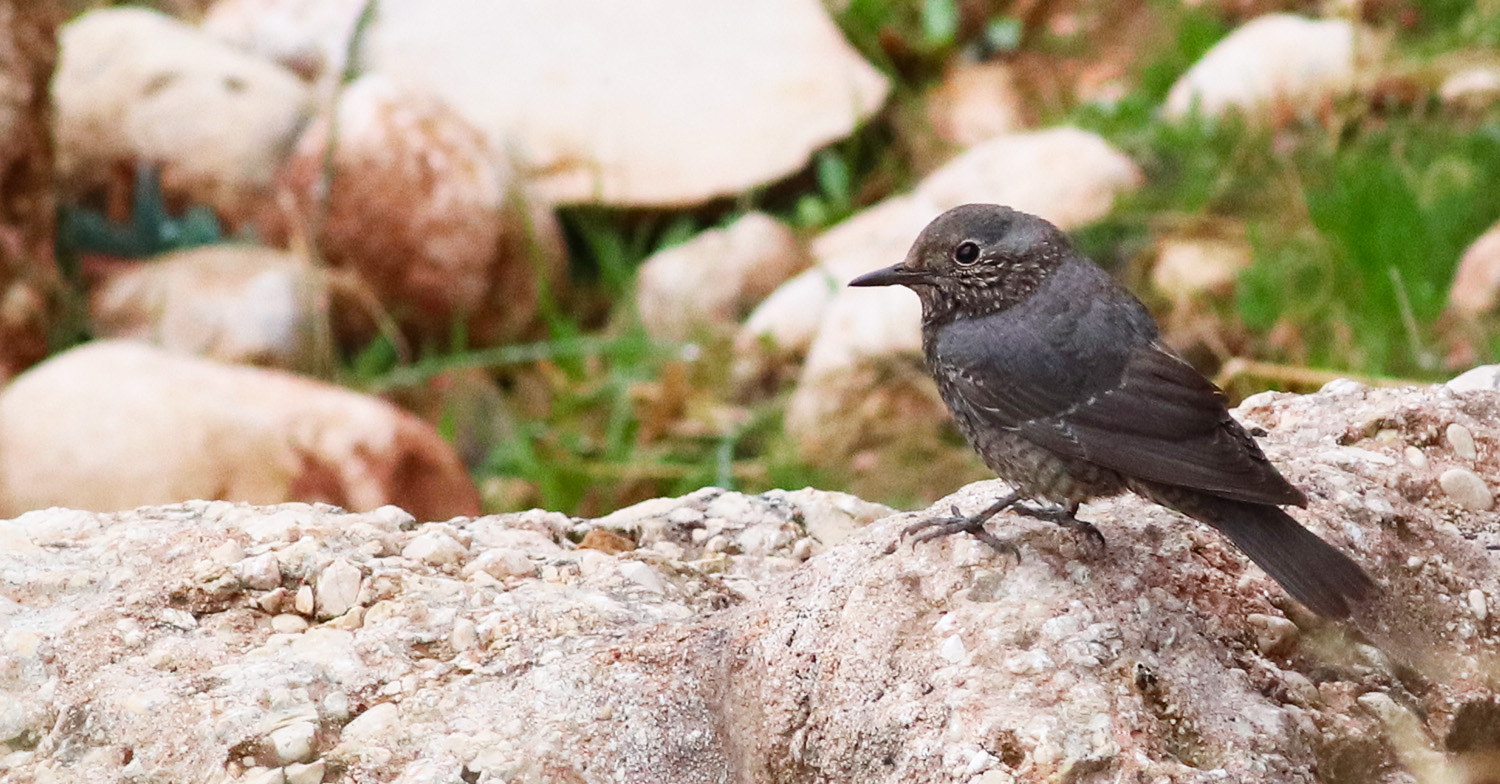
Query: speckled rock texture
x=721 y=637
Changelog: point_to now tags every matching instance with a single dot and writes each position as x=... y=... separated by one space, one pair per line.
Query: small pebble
x=304 y=601
x=1342 y=386
x=288 y=623
x=294 y=742
x=1466 y=489
x=261 y=572
x=465 y=635
x=1416 y=457
x=1274 y=634
x=392 y=518
x=336 y=706
x=434 y=548
x=684 y=516
x=952 y=650
x=306 y=772
x=1478 y=605
x=1462 y=441
x=606 y=541
x=641 y=574
x=337 y=588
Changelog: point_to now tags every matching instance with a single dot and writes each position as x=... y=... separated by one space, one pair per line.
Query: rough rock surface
x=116 y=424
x=214 y=642
x=1277 y=63
x=241 y=304
x=606 y=112
x=133 y=85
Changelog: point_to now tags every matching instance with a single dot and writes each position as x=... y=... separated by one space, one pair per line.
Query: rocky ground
x=725 y=637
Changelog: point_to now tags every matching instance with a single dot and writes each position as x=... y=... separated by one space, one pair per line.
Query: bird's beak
x=896 y=274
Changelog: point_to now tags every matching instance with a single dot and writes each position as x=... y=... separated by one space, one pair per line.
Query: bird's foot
x=1064 y=516
x=958 y=523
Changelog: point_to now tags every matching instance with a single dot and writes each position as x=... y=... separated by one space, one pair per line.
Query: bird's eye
x=966 y=253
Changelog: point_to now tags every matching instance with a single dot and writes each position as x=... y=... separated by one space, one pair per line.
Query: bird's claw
x=1065 y=517
x=955 y=524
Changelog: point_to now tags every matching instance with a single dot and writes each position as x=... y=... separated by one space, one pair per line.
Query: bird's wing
x=1132 y=406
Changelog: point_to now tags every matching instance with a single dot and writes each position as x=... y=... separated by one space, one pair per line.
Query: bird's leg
x=1065 y=516
x=971 y=524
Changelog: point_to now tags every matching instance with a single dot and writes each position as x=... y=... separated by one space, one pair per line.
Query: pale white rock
x=310 y=37
x=1478 y=604
x=287 y=623
x=136 y=85
x=975 y=102
x=1467 y=489
x=435 y=549
x=831 y=517
x=305 y=772
x=337 y=588
x=415 y=203
x=303 y=603
x=376 y=725
x=502 y=563
x=1473 y=87
x=1190 y=267
x=1462 y=441
x=658 y=102
x=1475 y=290
x=91 y=428
x=952 y=649
x=641 y=574
x=1066 y=175
x=1276 y=62
x=712 y=280
x=294 y=742
x=465 y=635
x=1484 y=377
x=236 y=303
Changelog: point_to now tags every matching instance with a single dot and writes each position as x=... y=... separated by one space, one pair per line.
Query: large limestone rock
x=116 y=424
x=133 y=85
x=734 y=642
x=1274 y=64
x=413 y=201
x=241 y=304
x=654 y=102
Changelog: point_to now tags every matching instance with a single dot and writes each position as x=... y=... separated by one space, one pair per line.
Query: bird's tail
x=1310 y=569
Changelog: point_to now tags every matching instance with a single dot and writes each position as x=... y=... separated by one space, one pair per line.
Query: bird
x=1059 y=378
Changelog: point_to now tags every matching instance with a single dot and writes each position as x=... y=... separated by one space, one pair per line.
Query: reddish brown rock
x=28 y=272
x=117 y=424
x=419 y=208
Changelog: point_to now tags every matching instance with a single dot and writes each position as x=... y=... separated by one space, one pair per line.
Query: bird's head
x=976 y=259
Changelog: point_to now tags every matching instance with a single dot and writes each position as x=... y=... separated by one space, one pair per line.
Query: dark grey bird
x=1058 y=377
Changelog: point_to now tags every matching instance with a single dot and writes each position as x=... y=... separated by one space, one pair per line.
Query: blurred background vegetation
x=1357 y=218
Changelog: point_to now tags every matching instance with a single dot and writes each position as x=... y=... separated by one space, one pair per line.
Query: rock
x=943 y=661
x=1467 y=489
x=1065 y=174
x=1472 y=88
x=1476 y=284
x=30 y=286
x=1462 y=441
x=424 y=213
x=310 y=38
x=1482 y=378
x=133 y=85
x=1189 y=268
x=1277 y=63
x=435 y=549
x=711 y=281
x=613 y=117
x=975 y=102
x=337 y=589
x=116 y=424
x=240 y=304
